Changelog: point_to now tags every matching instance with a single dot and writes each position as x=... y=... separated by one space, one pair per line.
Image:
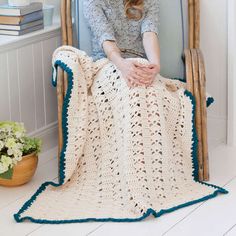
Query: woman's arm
x=113 y=53
x=150 y=33
x=152 y=48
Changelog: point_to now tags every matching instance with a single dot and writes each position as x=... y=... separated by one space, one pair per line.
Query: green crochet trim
x=210 y=100
x=150 y=211
x=180 y=79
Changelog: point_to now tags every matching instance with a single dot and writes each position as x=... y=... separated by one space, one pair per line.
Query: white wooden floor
x=214 y=217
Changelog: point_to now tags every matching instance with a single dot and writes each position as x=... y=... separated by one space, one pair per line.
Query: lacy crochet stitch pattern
x=127 y=154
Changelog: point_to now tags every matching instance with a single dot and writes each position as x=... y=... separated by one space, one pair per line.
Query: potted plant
x=18 y=154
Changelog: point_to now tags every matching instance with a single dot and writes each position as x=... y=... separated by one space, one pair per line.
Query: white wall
x=231 y=136
x=214 y=47
x=26 y=92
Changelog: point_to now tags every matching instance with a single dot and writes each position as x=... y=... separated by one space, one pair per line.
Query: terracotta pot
x=23 y=172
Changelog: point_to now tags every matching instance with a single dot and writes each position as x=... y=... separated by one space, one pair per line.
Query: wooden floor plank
x=213 y=218
x=44 y=172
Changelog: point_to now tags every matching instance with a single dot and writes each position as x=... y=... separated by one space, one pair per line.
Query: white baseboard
x=48 y=135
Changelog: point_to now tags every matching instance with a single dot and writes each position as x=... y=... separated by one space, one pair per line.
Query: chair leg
x=202 y=85
x=198 y=117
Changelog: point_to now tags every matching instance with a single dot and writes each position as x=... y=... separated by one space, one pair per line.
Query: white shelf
x=12 y=42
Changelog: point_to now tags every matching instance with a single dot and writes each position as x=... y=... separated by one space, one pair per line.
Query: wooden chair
x=182 y=16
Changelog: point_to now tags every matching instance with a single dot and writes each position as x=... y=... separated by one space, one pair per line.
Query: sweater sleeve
x=150 y=22
x=97 y=21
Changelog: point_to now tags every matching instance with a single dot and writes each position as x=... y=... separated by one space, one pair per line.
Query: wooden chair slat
x=196 y=24
x=198 y=110
x=191 y=23
x=63 y=22
x=69 y=23
x=189 y=70
x=60 y=98
x=203 y=106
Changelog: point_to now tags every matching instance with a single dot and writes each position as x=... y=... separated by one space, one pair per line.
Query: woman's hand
x=137 y=74
x=152 y=70
x=132 y=73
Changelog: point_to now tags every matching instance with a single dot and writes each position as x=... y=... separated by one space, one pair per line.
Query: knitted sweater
x=107 y=21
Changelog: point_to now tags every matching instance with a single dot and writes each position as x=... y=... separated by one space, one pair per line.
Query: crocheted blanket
x=128 y=152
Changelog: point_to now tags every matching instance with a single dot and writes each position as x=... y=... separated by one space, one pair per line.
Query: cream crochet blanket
x=128 y=153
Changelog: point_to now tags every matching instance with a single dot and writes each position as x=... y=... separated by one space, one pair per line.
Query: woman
x=130 y=26
x=129 y=147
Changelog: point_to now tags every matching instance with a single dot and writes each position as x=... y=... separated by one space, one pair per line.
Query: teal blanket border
x=150 y=211
x=210 y=100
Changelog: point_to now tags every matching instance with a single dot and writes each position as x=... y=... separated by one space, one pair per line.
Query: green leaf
x=7 y=175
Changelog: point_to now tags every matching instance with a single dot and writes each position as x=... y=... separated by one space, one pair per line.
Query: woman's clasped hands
x=138 y=74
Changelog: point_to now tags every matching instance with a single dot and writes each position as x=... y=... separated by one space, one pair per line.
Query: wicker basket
x=23 y=172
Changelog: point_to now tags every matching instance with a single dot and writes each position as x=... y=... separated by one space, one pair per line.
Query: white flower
x=17 y=153
x=10 y=143
x=5 y=164
x=6 y=160
x=1 y=145
x=19 y=157
x=3 y=168
x=14 y=148
x=10 y=152
x=19 y=135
